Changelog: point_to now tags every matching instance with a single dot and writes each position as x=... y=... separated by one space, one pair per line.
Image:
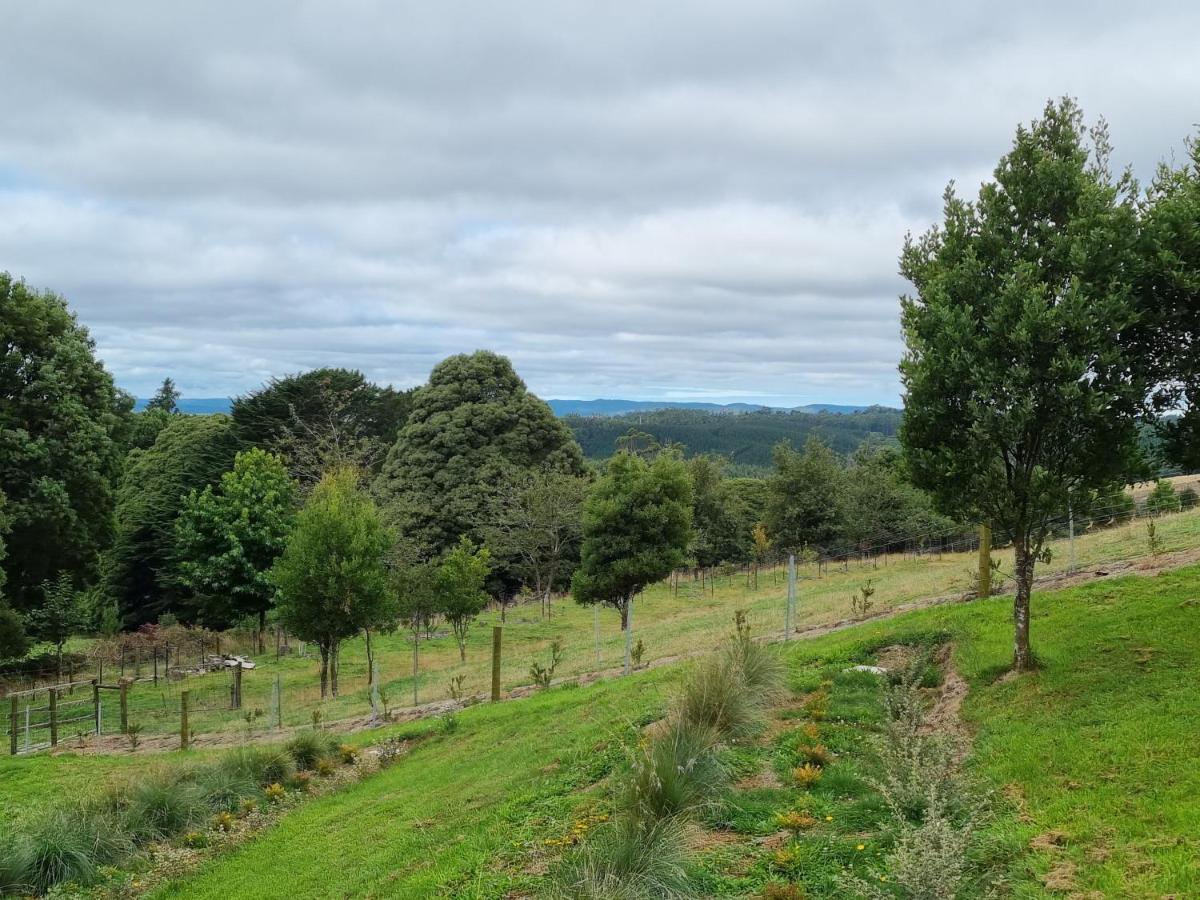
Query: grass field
x=669 y=622
x=1093 y=759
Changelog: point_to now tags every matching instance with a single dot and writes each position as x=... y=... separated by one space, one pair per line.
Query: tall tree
x=1170 y=293
x=536 y=527
x=14 y=642
x=61 y=424
x=1020 y=389
x=637 y=524
x=332 y=576
x=322 y=420
x=227 y=539
x=722 y=514
x=472 y=429
x=166 y=398
x=458 y=588
x=140 y=570
x=804 y=497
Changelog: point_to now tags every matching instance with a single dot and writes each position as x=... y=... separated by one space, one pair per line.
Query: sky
x=655 y=200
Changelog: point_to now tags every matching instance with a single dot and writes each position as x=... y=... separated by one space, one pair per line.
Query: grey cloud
x=666 y=199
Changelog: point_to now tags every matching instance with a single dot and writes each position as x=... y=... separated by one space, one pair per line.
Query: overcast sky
x=654 y=200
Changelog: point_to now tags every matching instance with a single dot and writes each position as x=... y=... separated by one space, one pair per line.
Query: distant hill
x=623 y=407
x=746 y=439
x=200 y=406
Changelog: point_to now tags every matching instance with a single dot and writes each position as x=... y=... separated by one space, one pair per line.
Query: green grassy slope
x=1096 y=753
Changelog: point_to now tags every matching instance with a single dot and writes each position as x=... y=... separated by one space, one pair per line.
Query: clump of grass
x=676 y=774
x=261 y=765
x=778 y=890
x=795 y=820
x=160 y=805
x=816 y=754
x=309 y=747
x=64 y=845
x=223 y=787
x=626 y=860
x=715 y=695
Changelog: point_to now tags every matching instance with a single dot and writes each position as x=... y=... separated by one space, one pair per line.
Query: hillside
x=746 y=438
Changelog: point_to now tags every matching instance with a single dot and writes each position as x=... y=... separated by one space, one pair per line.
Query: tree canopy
x=61 y=428
x=141 y=568
x=804 y=497
x=458 y=588
x=1020 y=390
x=637 y=525
x=228 y=538
x=472 y=429
x=332 y=575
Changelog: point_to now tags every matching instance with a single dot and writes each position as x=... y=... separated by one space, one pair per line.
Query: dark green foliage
x=745 y=439
x=458 y=588
x=61 y=427
x=678 y=772
x=165 y=399
x=310 y=747
x=14 y=641
x=1020 y=389
x=881 y=505
x=322 y=420
x=140 y=571
x=331 y=577
x=64 y=845
x=60 y=615
x=637 y=522
x=472 y=429
x=144 y=428
x=227 y=539
x=1163 y=499
x=626 y=860
x=1170 y=297
x=804 y=497
x=724 y=512
x=260 y=765
x=1188 y=498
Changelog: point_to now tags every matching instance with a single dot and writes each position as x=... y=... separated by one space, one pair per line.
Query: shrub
x=817 y=754
x=1162 y=499
x=543 y=675
x=348 y=754
x=637 y=652
x=160 y=805
x=627 y=861
x=275 y=792
x=806 y=775
x=307 y=747
x=795 y=820
x=447 y=723
x=325 y=767
x=714 y=695
x=817 y=705
x=1188 y=498
x=223 y=821
x=302 y=780
x=677 y=773
x=390 y=749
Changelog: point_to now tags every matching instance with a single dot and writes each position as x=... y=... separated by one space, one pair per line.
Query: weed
x=133 y=732
x=456 y=686
x=390 y=749
x=816 y=754
x=806 y=775
x=448 y=723
x=302 y=781
x=860 y=602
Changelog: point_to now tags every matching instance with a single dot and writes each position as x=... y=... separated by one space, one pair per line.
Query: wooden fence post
x=184 y=735
x=985 y=561
x=53 y=717
x=237 y=686
x=124 y=707
x=496 y=632
x=12 y=727
x=96 y=702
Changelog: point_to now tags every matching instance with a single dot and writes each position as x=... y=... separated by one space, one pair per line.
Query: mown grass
x=1096 y=753
x=670 y=622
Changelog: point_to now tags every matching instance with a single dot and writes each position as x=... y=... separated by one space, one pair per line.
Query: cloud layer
x=665 y=200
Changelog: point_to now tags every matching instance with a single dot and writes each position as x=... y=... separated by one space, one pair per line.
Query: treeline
x=746 y=439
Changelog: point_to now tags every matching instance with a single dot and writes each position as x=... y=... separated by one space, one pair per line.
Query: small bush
x=307 y=747
x=390 y=749
x=262 y=765
x=543 y=675
x=777 y=890
x=302 y=781
x=1188 y=498
x=275 y=792
x=806 y=775
x=795 y=821
x=348 y=754
x=325 y=767
x=677 y=773
x=637 y=652
x=817 y=754
x=627 y=861
x=223 y=821
x=714 y=695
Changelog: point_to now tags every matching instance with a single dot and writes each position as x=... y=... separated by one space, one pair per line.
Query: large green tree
x=723 y=515
x=332 y=576
x=227 y=539
x=61 y=427
x=804 y=497
x=14 y=642
x=1020 y=390
x=1170 y=293
x=472 y=429
x=322 y=420
x=141 y=574
x=637 y=525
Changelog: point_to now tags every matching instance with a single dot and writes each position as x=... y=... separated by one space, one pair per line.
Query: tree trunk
x=324 y=670
x=628 y=626
x=262 y=628
x=1022 y=655
x=333 y=669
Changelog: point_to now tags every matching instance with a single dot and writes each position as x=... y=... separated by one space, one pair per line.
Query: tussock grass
x=310 y=747
x=627 y=860
x=676 y=774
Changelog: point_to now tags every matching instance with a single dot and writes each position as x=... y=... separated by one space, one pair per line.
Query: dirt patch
x=705 y=838
x=1061 y=878
x=945 y=715
x=896 y=658
x=765 y=778
x=1048 y=841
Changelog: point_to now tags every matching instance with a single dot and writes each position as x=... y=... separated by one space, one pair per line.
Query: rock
x=874 y=670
